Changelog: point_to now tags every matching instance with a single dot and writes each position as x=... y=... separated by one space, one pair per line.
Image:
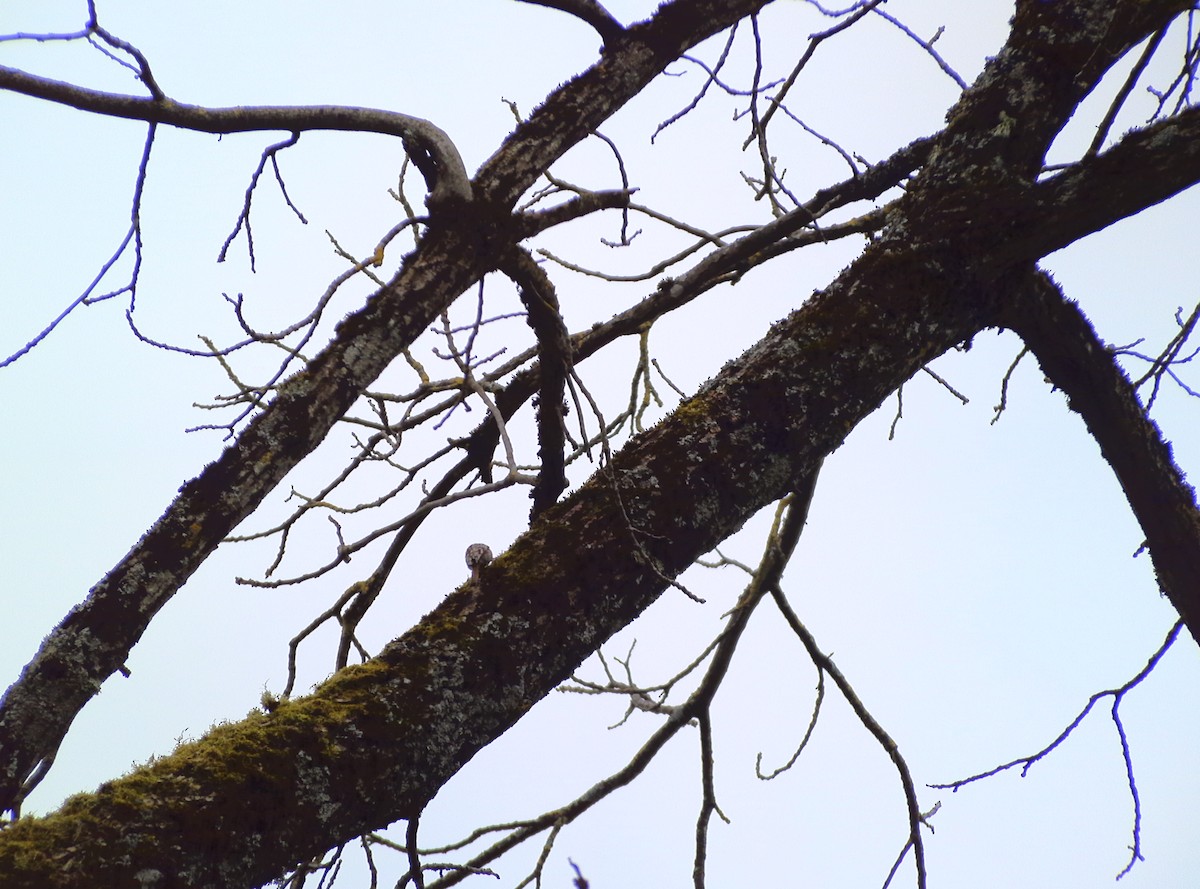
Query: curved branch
x=433 y=152
x=609 y=29
x=554 y=361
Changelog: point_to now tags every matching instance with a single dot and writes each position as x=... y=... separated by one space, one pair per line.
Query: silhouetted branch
x=1118 y=695
x=431 y=149
x=1075 y=360
x=609 y=29
x=554 y=354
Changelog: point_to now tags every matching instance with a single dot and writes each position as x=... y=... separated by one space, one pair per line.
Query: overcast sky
x=975 y=581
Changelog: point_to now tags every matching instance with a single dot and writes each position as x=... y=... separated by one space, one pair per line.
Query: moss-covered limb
x=1077 y=362
x=376 y=742
x=95 y=638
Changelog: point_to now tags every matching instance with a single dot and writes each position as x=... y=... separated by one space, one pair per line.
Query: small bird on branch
x=478 y=555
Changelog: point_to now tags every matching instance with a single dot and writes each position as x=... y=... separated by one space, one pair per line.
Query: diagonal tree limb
x=1147 y=166
x=1076 y=361
x=376 y=742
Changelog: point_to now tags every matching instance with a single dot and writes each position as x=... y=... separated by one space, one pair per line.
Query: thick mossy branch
x=376 y=742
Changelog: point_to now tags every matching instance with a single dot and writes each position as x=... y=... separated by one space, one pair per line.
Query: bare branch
x=429 y=146
x=133 y=235
x=270 y=153
x=609 y=29
x=1139 y=68
x=826 y=664
x=1118 y=695
x=926 y=45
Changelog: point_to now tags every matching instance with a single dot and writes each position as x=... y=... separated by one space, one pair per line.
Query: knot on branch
x=436 y=157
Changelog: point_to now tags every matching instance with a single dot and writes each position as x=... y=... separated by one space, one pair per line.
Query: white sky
x=974 y=581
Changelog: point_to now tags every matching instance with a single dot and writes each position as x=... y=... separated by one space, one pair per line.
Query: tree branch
x=1076 y=361
x=755 y=432
x=1144 y=168
x=433 y=152
x=580 y=105
x=554 y=361
x=609 y=29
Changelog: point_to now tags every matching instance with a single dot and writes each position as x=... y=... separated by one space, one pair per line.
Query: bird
x=478 y=555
